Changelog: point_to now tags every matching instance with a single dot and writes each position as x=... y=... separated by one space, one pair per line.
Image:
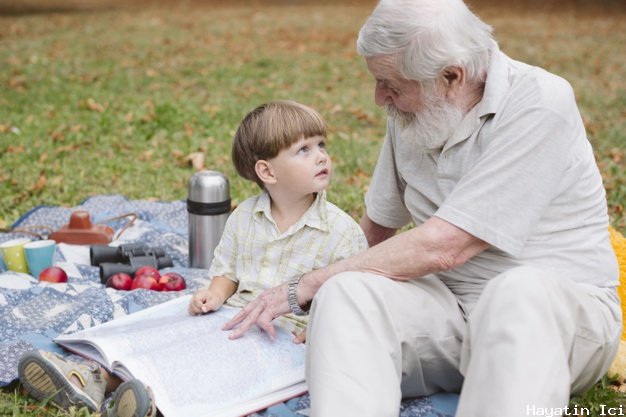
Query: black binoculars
x=127 y=258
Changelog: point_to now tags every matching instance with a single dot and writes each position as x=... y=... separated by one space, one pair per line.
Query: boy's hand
x=300 y=337
x=204 y=301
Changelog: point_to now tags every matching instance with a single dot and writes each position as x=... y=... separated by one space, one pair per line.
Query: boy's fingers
x=300 y=337
x=197 y=302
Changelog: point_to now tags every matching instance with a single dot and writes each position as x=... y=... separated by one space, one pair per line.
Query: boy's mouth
x=322 y=172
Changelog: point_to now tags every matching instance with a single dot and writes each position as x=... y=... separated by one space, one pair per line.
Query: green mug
x=13 y=254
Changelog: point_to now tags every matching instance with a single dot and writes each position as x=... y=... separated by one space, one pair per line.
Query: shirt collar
x=316 y=216
x=496 y=87
x=496 y=84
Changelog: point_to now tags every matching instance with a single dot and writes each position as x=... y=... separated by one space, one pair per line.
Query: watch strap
x=292 y=297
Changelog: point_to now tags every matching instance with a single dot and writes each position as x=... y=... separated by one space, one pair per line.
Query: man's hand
x=204 y=301
x=266 y=307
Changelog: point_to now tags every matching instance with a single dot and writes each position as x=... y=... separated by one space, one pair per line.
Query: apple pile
x=147 y=277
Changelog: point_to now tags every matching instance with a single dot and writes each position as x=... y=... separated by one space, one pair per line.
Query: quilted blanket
x=33 y=313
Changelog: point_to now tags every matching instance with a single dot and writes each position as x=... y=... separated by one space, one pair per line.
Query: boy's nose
x=322 y=156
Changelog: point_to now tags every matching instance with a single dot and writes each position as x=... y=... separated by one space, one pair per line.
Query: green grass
x=116 y=100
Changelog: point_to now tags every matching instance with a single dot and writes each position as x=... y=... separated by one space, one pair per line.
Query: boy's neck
x=288 y=209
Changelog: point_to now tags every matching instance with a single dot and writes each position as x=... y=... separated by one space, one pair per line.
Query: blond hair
x=270 y=128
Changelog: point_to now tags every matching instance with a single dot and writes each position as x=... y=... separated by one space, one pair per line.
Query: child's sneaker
x=131 y=399
x=47 y=375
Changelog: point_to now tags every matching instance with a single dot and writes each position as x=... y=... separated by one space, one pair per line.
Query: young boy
x=289 y=228
x=276 y=236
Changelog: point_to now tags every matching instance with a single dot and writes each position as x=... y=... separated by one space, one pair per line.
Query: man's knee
x=520 y=285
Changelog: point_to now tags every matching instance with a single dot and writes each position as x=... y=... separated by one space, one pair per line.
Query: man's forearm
x=432 y=247
x=374 y=232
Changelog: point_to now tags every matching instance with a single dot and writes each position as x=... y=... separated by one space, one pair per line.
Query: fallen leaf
x=94 y=106
x=188 y=129
x=196 y=159
x=39 y=185
x=15 y=149
x=146 y=155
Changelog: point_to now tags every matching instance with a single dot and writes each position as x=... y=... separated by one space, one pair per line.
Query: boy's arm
x=212 y=298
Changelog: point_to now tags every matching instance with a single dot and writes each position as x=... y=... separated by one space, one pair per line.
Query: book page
x=189 y=362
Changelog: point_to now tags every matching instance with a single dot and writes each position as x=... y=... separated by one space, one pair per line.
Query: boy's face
x=305 y=167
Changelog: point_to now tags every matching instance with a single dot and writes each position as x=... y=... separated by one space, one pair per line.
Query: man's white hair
x=427 y=36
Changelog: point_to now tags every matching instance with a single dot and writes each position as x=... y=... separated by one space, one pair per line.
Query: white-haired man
x=505 y=289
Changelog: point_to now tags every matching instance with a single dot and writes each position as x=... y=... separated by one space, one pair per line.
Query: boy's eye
x=303 y=149
x=322 y=144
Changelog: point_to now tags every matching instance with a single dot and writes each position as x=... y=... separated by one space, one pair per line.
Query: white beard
x=431 y=128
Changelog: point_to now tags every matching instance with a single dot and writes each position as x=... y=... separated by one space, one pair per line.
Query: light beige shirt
x=519 y=173
x=253 y=252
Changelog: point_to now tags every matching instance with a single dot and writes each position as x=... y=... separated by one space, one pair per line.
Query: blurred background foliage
x=101 y=97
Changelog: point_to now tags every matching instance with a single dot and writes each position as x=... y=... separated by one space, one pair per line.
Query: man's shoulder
x=539 y=85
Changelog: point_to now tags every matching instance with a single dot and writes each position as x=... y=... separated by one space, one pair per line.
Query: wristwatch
x=292 y=298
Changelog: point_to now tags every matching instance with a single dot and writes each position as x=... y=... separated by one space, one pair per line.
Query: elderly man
x=505 y=289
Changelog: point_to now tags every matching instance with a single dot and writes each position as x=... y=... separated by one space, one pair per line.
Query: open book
x=191 y=365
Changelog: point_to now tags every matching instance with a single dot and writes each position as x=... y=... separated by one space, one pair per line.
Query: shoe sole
x=43 y=381
x=132 y=399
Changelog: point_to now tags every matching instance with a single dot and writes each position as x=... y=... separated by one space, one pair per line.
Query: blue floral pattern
x=33 y=313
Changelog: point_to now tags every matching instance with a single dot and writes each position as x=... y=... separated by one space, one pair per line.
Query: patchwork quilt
x=33 y=313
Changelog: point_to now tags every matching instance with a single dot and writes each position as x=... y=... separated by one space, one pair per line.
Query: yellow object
x=619 y=246
x=618 y=367
x=13 y=255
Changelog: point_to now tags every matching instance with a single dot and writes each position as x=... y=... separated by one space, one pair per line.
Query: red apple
x=145 y=281
x=148 y=270
x=120 y=281
x=53 y=274
x=171 y=281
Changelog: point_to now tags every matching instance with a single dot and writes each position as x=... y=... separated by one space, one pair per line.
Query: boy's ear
x=265 y=172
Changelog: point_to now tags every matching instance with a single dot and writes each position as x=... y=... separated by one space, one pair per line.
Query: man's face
x=423 y=114
x=391 y=88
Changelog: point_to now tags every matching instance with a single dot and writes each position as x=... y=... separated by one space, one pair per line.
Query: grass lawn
x=101 y=100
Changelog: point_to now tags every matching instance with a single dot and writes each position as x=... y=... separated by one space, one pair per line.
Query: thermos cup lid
x=208 y=187
x=208 y=193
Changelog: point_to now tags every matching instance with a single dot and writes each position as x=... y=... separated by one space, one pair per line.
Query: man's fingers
x=264 y=321
x=247 y=320
x=238 y=318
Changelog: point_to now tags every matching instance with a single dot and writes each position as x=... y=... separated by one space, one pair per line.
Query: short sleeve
x=503 y=196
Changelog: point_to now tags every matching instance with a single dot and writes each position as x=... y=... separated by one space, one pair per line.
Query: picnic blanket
x=33 y=313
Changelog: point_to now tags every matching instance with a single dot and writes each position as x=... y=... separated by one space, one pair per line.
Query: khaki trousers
x=530 y=341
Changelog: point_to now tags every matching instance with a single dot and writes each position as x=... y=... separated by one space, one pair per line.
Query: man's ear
x=454 y=80
x=265 y=172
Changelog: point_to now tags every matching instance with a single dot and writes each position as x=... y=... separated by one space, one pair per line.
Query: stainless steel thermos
x=208 y=206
